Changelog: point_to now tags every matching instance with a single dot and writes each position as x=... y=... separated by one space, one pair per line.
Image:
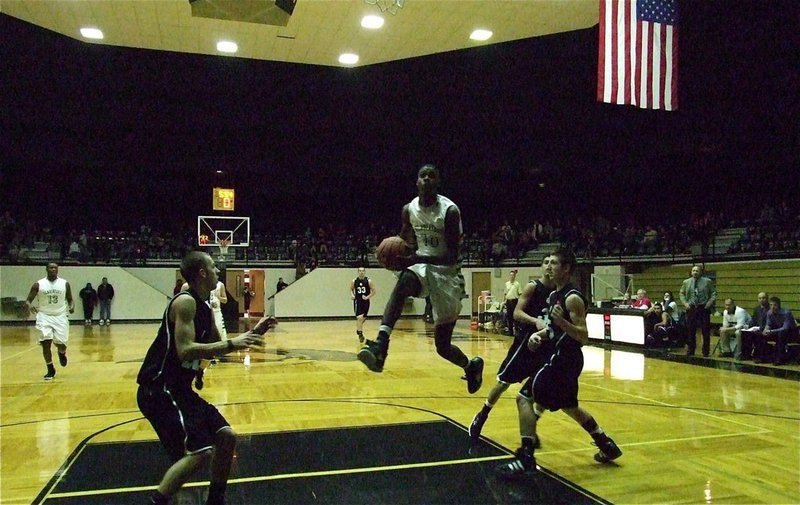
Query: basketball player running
x=361 y=291
x=193 y=431
x=520 y=362
x=54 y=299
x=555 y=385
x=432 y=228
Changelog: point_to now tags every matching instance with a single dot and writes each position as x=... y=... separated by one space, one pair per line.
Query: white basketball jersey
x=428 y=224
x=53 y=297
x=214 y=296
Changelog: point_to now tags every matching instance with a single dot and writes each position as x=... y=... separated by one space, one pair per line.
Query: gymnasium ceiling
x=315 y=33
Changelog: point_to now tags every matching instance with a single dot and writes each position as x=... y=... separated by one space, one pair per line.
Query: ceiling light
x=92 y=33
x=481 y=35
x=372 y=22
x=226 y=46
x=348 y=59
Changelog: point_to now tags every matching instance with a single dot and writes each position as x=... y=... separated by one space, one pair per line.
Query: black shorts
x=184 y=422
x=361 y=307
x=555 y=385
x=521 y=363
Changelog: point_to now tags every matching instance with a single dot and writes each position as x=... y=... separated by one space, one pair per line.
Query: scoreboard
x=223 y=199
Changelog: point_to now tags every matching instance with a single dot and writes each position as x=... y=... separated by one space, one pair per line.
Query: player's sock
x=158 y=499
x=216 y=494
x=593 y=429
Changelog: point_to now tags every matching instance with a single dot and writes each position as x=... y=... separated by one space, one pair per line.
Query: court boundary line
x=47 y=491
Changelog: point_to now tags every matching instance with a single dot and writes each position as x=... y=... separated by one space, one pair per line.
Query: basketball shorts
x=555 y=385
x=445 y=285
x=521 y=363
x=361 y=307
x=55 y=328
x=184 y=422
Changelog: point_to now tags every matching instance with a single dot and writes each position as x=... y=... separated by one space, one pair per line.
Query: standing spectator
x=89 y=298
x=427 y=314
x=758 y=321
x=734 y=320
x=54 y=299
x=781 y=326
x=361 y=292
x=431 y=226
x=510 y=298
x=178 y=286
x=698 y=296
x=105 y=293
x=248 y=295
x=281 y=285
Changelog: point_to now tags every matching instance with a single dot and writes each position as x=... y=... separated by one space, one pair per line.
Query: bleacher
x=741 y=281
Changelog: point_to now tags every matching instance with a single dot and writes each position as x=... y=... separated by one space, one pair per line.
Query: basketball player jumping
x=432 y=228
x=361 y=291
x=54 y=299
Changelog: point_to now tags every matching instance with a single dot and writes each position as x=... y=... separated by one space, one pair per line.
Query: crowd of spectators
x=774 y=229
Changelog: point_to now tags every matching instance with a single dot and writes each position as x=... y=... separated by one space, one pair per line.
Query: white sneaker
x=101 y=322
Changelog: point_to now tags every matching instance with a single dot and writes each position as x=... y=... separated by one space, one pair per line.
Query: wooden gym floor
x=316 y=426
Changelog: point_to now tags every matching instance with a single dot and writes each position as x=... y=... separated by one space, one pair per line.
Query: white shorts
x=445 y=285
x=55 y=328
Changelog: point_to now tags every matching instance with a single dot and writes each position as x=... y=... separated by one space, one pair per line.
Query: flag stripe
x=637 y=58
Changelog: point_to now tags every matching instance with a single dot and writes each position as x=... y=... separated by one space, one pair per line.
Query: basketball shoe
x=372 y=355
x=51 y=372
x=62 y=359
x=524 y=465
x=609 y=450
x=477 y=423
x=474 y=374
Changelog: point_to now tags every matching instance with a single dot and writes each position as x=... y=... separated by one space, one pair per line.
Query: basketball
x=393 y=253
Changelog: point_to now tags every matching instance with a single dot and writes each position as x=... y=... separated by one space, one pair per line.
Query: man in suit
x=698 y=295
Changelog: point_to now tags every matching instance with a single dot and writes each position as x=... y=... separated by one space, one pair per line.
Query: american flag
x=638 y=53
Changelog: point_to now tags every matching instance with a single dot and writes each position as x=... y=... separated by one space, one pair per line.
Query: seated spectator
x=642 y=301
x=734 y=320
x=758 y=320
x=671 y=307
x=656 y=326
x=781 y=327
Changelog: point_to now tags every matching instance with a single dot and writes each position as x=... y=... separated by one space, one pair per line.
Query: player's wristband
x=230 y=345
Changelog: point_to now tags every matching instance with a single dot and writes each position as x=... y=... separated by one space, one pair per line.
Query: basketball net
x=223 y=249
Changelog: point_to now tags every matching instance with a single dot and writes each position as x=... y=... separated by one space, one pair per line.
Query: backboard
x=213 y=229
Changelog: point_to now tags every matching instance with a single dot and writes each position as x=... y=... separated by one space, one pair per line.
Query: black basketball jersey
x=537 y=307
x=161 y=365
x=556 y=298
x=361 y=287
x=538 y=303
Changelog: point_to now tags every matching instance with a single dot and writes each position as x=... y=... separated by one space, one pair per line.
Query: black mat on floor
x=422 y=463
